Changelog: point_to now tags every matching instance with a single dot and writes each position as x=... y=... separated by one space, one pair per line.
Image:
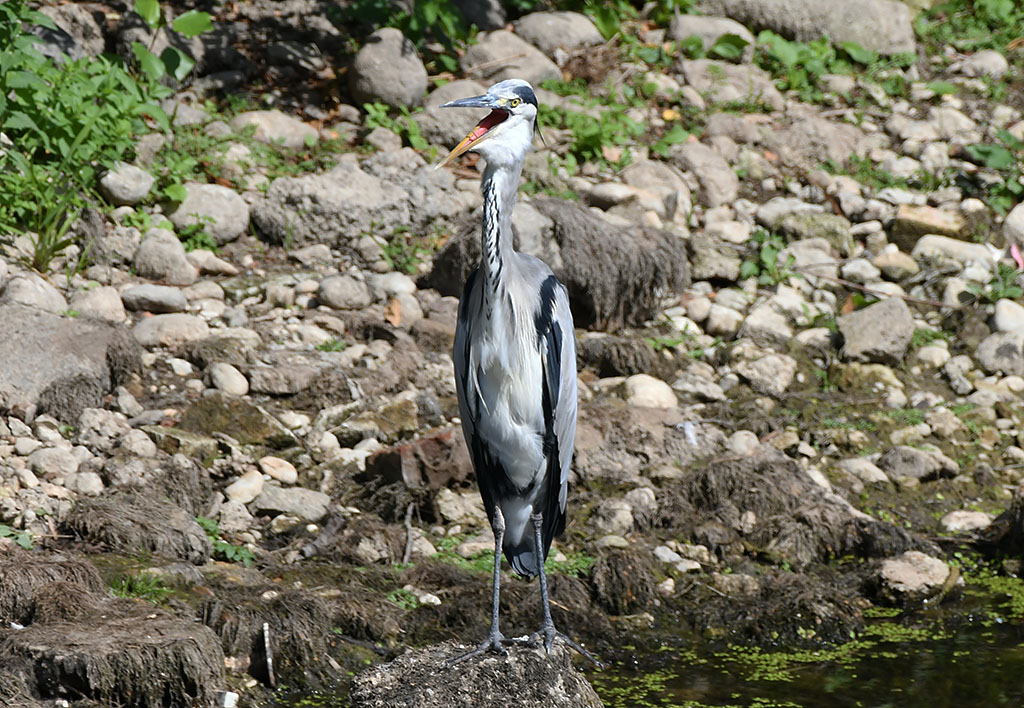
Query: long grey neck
x=499 y=188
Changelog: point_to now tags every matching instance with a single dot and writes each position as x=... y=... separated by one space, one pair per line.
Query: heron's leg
x=495 y=640
x=547 y=627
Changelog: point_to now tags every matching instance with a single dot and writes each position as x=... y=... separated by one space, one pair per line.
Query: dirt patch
x=124 y=653
x=26 y=580
x=133 y=521
x=615 y=278
x=786 y=609
x=298 y=626
x=623 y=581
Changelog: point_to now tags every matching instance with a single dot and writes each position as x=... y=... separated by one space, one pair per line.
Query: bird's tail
x=523 y=559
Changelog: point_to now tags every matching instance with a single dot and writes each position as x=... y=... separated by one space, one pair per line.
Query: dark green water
x=890 y=667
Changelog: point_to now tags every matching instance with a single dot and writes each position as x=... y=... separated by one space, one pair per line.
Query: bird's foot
x=495 y=643
x=550 y=634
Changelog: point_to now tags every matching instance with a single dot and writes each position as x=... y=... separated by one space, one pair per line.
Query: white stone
x=962 y=521
x=225 y=377
x=281 y=470
x=645 y=391
x=245 y=488
x=723 y=321
x=864 y=470
x=1009 y=316
x=743 y=443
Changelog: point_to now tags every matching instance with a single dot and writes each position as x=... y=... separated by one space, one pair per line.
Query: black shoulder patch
x=526 y=93
x=546 y=307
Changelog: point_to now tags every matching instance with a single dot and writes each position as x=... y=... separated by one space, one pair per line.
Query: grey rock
x=306 y=504
x=445 y=126
x=718 y=182
x=32 y=290
x=771 y=374
x=878 y=333
x=158 y=299
x=613 y=517
x=728 y=83
x=276 y=128
x=209 y=263
x=117 y=246
x=1013 y=226
x=700 y=387
x=79 y=24
x=220 y=211
x=933 y=245
x=860 y=270
x=881 y=25
x=100 y=430
x=711 y=259
x=344 y=292
x=485 y=14
x=911 y=577
x=53 y=462
x=126 y=184
x=812 y=139
x=161 y=256
x=723 y=321
x=773 y=211
x=767 y=326
x=383 y=139
x=501 y=55
x=59 y=365
x=549 y=31
x=103 y=303
x=301 y=55
x=812 y=257
x=864 y=470
x=387 y=68
x=645 y=391
x=987 y=62
x=905 y=461
x=1002 y=351
x=170 y=331
x=951 y=123
x=417 y=679
x=833 y=228
x=282 y=375
x=335 y=208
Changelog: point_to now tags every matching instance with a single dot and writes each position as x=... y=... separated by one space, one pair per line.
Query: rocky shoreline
x=235 y=468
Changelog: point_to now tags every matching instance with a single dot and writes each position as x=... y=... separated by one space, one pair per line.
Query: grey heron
x=515 y=364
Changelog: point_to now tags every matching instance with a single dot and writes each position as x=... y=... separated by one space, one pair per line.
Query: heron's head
x=504 y=135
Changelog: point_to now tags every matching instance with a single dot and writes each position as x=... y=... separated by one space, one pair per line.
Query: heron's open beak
x=482 y=130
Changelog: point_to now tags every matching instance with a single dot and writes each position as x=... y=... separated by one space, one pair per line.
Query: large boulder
x=388 y=69
x=879 y=333
x=501 y=55
x=881 y=25
x=444 y=126
x=550 y=31
x=60 y=365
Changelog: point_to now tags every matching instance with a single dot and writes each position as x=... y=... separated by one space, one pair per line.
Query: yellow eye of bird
x=514 y=102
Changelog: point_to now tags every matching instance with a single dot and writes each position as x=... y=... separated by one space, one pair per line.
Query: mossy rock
x=236 y=418
x=834 y=228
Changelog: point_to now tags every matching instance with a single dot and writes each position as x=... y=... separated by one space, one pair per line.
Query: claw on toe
x=493 y=644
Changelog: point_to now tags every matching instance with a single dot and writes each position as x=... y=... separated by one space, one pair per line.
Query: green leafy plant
x=172 y=61
x=222 y=549
x=970 y=25
x=924 y=335
x=403 y=251
x=424 y=20
x=765 y=265
x=332 y=345
x=404 y=599
x=405 y=127
x=196 y=236
x=145 y=586
x=22 y=538
x=1004 y=158
x=1002 y=285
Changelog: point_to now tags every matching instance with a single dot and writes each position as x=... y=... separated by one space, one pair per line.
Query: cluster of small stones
x=276 y=315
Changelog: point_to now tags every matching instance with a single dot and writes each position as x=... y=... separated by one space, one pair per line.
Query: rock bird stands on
x=515 y=364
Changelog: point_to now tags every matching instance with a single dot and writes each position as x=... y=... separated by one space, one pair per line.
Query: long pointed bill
x=481 y=131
